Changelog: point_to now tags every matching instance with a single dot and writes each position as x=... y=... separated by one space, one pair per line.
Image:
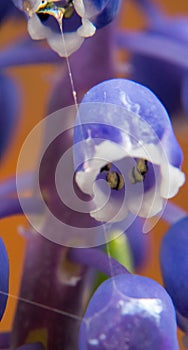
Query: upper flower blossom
x=126 y=155
x=77 y=19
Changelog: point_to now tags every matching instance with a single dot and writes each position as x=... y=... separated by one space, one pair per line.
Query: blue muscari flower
x=79 y=19
x=4 y=278
x=174 y=264
x=129 y=312
x=120 y=127
x=159 y=56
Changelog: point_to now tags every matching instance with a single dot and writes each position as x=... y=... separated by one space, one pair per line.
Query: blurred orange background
x=35 y=83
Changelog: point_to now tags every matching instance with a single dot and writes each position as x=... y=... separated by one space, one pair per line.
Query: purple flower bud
x=174 y=264
x=126 y=155
x=4 y=278
x=129 y=312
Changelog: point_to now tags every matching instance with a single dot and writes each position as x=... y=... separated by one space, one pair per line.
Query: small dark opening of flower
x=58 y=9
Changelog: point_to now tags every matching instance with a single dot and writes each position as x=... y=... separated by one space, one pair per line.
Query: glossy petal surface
x=129 y=312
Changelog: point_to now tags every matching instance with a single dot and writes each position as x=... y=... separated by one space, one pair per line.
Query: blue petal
x=4 y=278
x=108 y=14
x=80 y=25
x=131 y=312
x=174 y=264
x=98 y=5
x=140 y=101
x=9 y=104
x=137 y=99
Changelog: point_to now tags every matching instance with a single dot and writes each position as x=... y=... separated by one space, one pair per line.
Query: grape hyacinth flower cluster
x=94 y=177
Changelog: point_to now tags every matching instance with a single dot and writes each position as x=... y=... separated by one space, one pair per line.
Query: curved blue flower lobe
x=174 y=264
x=4 y=278
x=129 y=312
x=108 y=14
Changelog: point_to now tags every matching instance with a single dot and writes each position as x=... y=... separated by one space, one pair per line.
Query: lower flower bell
x=126 y=155
x=129 y=312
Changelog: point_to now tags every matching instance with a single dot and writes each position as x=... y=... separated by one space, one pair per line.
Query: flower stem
x=97 y=259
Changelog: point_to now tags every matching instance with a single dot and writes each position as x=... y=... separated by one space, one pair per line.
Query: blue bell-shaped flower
x=125 y=153
x=77 y=19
